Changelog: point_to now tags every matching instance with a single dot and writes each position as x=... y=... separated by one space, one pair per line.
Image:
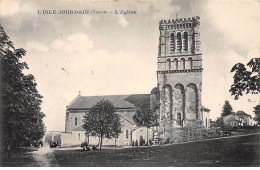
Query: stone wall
x=178 y=135
x=180 y=98
x=70 y=120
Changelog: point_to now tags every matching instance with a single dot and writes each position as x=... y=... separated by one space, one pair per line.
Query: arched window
x=76 y=121
x=179 y=42
x=78 y=136
x=175 y=63
x=172 y=45
x=183 y=63
x=185 y=41
x=178 y=119
x=126 y=134
x=190 y=62
x=168 y=67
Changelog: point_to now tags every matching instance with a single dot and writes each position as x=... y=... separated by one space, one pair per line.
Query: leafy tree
x=219 y=122
x=227 y=109
x=145 y=116
x=116 y=128
x=246 y=80
x=257 y=114
x=22 y=118
x=102 y=121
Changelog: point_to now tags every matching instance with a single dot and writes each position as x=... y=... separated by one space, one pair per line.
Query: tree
x=227 y=109
x=102 y=121
x=22 y=116
x=257 y=114
x=145 y=117
x=116 y=128
x=220 y=122
x=246 y=80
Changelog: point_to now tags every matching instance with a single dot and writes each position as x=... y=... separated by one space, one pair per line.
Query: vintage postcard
x=120 y=83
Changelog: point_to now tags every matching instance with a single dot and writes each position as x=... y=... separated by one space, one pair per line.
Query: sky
x=110 y=54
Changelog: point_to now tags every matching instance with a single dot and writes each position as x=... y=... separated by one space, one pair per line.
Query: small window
x=185 y=41
x=168 y=64
x=172 y=45
x=78 y=136
x=179 y=119
x=126 y=134
x=206 y=121
x=240 y=121
x=76 y=121
x=179 y=43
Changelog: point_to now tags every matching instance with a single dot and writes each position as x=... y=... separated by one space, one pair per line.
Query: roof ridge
x=114 y=95
x=119 y=101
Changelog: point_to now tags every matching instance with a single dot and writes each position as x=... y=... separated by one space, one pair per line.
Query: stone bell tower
x=179 y=73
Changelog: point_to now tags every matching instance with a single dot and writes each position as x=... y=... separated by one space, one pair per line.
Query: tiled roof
x=119 y=101
x=241 y=113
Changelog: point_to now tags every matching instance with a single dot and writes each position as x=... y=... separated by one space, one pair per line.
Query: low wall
x=72 y=138
x=178 y=135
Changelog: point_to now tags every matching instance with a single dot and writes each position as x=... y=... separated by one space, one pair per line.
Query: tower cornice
x=178 y=55
x=179 y=71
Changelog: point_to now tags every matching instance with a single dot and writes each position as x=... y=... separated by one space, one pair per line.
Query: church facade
x=179 y=74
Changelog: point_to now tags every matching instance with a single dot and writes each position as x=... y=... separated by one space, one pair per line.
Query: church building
x=176 y=99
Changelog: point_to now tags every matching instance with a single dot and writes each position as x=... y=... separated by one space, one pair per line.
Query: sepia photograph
x=129 y=83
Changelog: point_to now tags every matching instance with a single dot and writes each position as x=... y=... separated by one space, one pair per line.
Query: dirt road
x=44 y=157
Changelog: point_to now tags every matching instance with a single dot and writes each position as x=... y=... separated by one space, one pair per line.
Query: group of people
x=142 y=143
x=37 y=144
x=86 y=147
x=54 y=144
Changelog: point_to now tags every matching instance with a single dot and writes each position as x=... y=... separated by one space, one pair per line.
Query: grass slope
x=239 y=151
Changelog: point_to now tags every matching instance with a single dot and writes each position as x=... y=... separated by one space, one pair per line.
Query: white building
x=240 y=118
x=126 y=106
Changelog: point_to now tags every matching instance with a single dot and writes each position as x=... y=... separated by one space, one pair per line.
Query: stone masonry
x=179 y=73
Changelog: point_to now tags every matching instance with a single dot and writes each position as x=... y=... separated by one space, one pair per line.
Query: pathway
x=44 y=157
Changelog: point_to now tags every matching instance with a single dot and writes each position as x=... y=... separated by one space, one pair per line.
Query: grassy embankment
x=236 y=151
